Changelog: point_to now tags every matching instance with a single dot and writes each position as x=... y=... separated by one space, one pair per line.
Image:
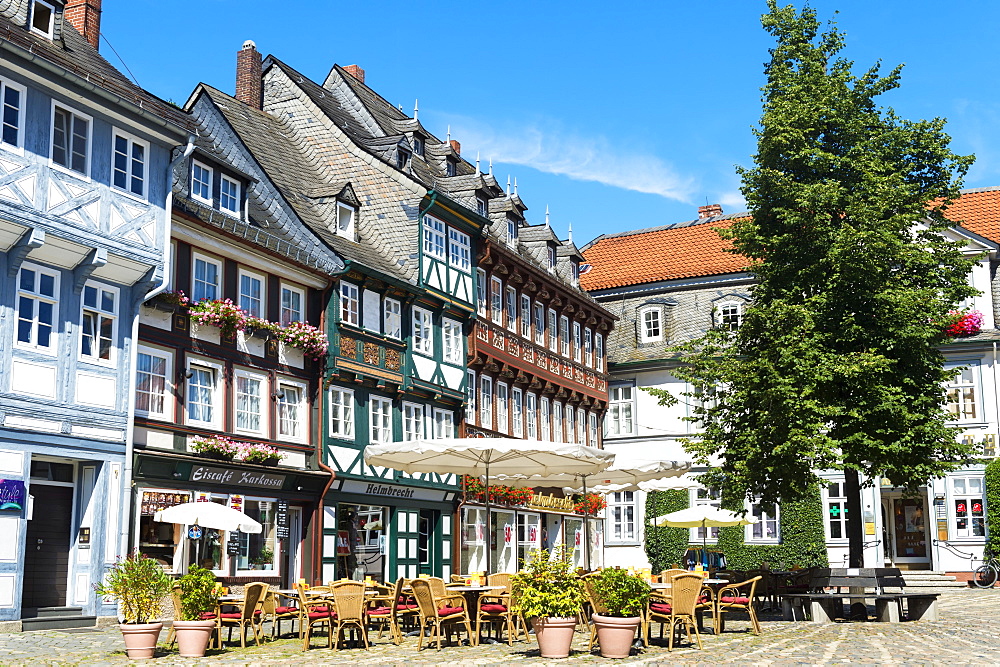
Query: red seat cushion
x=286 y=610
x=380 y=611
x=448 y=611
x=313 y=615
x=322 y=610
x=206 y=616
x=704 y=599
x=404 y=607
x=236 y=614
x=661 y=607
x=728 y=600
x=493 y=608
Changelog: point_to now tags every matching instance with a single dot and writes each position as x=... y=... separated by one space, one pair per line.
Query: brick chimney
x=85 y=16
x=455 y=146
x=709 y=211
x=356 y=72
x=248 y=86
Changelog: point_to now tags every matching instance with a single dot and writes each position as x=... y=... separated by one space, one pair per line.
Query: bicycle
x=986 y=574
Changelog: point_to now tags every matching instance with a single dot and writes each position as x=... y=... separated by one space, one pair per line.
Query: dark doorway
x=46 y=549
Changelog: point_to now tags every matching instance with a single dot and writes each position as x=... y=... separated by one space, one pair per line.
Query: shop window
x=258 y=551
x=621 y=515
x=209 y=550
x=473 y=548
x=836 y=511
x=361 y=541
x=158 y=540
x=967 y=501
x=529 y=534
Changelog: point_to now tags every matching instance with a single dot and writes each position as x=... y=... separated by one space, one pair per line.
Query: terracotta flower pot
x=140 y=639
x=554 y=635
x=616 y=634
x=193 y=637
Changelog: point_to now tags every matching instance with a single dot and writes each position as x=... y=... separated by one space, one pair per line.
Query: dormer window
x=345 y=220
x=729 y=315
x=201 y=182
x=449 y=168
x=418 y=144
x=511 y=231
x=552 y=258
x=230 y=200
x=402 y=159
x=650 y=325
x=43 y=18
x=576 y=273
x=481 y=206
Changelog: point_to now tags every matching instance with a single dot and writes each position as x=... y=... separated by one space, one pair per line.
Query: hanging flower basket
x=500 y=494
x=590 y=504
x=963 y=324
x=217 y=447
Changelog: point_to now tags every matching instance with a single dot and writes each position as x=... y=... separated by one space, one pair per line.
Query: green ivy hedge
x=803 y=541
x=993 y=507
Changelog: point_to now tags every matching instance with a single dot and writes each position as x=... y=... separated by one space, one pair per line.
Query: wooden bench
x=825 y=605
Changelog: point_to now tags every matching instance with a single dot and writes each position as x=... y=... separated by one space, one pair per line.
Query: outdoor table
x=472 y=594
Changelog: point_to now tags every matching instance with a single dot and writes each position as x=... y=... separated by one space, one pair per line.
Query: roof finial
x=508 y=185
x=571 y=232
x=547 y=216
x=416 y=108
x=515 y=185
x=477 y=163
x=448 y=140
x=491 y=165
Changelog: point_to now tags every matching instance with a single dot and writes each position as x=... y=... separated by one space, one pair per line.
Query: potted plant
x=198 y=599
x=138 y=584
x=624 y=596
x=264 y=559
x=548 y=592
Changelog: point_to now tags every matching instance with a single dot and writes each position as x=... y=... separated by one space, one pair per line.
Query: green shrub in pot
x=623 y=594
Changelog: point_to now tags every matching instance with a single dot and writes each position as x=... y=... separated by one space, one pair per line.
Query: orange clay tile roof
x=695 y=249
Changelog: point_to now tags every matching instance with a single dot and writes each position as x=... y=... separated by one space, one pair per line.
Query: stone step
x=41 y=612
x=928 y=577
x=58 y=622
x=936 y=584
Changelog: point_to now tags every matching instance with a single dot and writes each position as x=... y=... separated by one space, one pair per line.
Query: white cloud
x=732 y=202
x=581 y=158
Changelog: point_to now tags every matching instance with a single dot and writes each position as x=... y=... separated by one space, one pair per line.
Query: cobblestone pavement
x=965 y=635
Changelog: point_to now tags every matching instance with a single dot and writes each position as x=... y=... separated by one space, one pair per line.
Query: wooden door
x=47 y=547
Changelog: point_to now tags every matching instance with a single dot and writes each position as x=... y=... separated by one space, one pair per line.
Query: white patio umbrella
x=208 y=515
x=684 y=482
x=489 y=456
x=704 y=517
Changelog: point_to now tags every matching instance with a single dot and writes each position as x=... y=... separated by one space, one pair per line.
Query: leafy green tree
x=836 y=364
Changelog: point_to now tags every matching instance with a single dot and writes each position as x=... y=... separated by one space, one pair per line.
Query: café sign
x=550 y=503
x=231 y=477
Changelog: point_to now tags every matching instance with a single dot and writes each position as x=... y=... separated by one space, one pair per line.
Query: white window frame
x=434 y=238
x=835 y=494
x=350 y=304
x=459 y=250
x=599 y=352
x=379 y=420
x=342 y=412
x=215 y=395
x=621 y=513
x=511 y=309
x=503 y=407
x=768 y=518
x=558 y=427
x=486 y=402
x=52 y=141
x=444 y=424
x=959 y=495
x=526 y=316
x=581 y=426
x=648 y=333
x=346 y=220
x=198 y=257
x=223 y=182
x=197 y=196
x=287 y=312
x=564 y=336
x=470 y=397
x=301 y=410
x=545 y=419
x=531 y=416
x=262 y=401
x=511 y=232
x=962 y=392
x=52 y=19
x=481 y=292
x=261 y=305
x=130 y=142
x=570 y=415
x=539 y=319
x=620 y=417
x=517 y=412
x=726 y=318
x=101 y=314
x=451 y=333
x=588 y=347
x=22 y=92
x=592 y=428
x=422 y=331
x=553 y=326
x=36 y=298
x=392 y=318
x=496 y=300
x=577 y=342
x=166 y=413
x=413 y=421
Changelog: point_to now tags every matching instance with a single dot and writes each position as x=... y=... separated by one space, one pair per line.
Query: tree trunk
x=855 y=529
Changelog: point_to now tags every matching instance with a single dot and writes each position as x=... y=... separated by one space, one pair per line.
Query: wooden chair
x=434 y=612
x=315 y=608
x=249 y=616
x=440 y=590
x=596 y=605
x=667 y=575
x=277 y=612
x=349 y=609
x=685 y=591
x=737 y=597
x=495 y=607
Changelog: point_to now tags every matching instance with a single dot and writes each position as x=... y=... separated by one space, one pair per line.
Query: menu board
x=154 y=501
x=281 y=520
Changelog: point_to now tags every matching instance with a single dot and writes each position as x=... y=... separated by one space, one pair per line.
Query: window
x=546 y=421
x=371 y=310
x=453 y=347
x=588 y=347
x=444 y=424
x=152 y=383
x=70 y=139
x=482 y=207
x=967 y=499
x=836 y=511
x=413 y=422
x=229 y=195
x=449 y=168
x=496 y=300
x=581 y=426
x=577 y=342
x=531 y=416
x=502 y=398
x=512 y=309
x=470 y=397
x=553 y=331
x=539 y=324
x=564 y=336
x=557 y=422
x=481 y=292
x=767 y=527
x=402 y=159
x=433 y=237
x=341 y=412
x=381 y=419
x=706 y=497
x=128 y=164
x=458 y=249
x=619 y=418
x=291 y=411
x=97 y=328
x=252 y=293
x=486 y=402
x=592 y=421
x=37 y=307
x=526 y=316
x=517 y=413
x=511 y=231
x=575 y=273
x=418 y=145
x=730 y=316
x=258 y=551
x=345 y=220
x=11 y=116
x=423 y=341
x=570 y=424
x=349 y=304
x=250 y=388
x=391 y=319
x=961 y=391
x=202 y=382
x=206 y=279
x=291 y=305
x=621 y=515
x=201 y=182
x=599 y=352
x=42 y=18
x=650 y=326
x=552 y=258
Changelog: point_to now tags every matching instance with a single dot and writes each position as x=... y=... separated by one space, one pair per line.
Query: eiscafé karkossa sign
x=550 y=503
x=260 y=480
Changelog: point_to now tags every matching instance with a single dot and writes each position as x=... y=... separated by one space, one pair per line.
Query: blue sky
x=616 y=115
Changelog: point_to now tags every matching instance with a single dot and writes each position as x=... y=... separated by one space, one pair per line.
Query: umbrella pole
x=489 y=524
x=586 y=531
x=704 y=544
